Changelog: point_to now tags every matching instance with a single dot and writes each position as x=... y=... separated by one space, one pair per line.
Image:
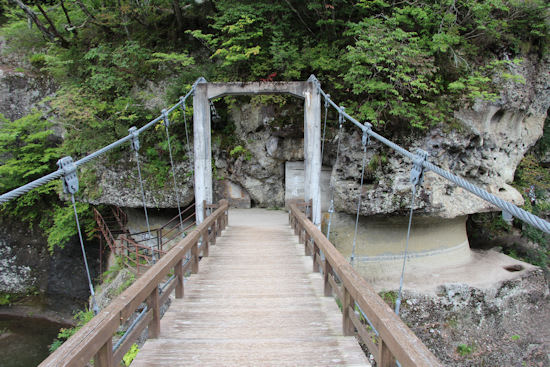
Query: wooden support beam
x=326 y=277
x=104 y=357
x=347 y=306
x=178 y=273
x=154 y=305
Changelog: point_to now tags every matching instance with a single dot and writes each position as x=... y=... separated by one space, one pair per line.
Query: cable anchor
x=341 y=117
x=165 y=120
x=135 y=138
x=365 y=140
x=417 y=171
x=70 y=178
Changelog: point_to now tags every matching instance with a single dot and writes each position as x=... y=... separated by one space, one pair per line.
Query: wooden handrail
x=94 y=340
x=396 y=340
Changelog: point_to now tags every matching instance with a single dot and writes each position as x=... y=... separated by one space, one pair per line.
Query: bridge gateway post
x=312 y=147
x=202 y=149
x=308 y=90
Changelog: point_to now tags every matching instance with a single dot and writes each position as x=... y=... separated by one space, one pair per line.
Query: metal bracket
x=165 y=119
x=326 y=100
x=135 y=138
x=365 y=140
x=341 y=117
x=70 y=179
x=314 y=80
x=507 y=217
x=417 y=172
x=182 y=103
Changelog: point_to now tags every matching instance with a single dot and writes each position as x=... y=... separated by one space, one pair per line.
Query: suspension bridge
x=265 y=292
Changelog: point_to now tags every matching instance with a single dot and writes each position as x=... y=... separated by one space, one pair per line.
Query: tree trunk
x=32 y=15
x=177 y=12
x=53 y=30
x=73 y=29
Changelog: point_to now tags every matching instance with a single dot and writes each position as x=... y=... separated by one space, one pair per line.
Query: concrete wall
x=434 y=242
x=294 y=183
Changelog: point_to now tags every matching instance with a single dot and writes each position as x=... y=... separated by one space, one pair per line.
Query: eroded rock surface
x=503 y=326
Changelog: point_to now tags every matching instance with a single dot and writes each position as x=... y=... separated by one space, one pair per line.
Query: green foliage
x=515 y=337
x=390 y=297
x=29 y=150
x=64 y=224
x=239 y=151
x=464 y=349
x=5 y=299
x=128 y=282
x=81 y=318
x=130 y=355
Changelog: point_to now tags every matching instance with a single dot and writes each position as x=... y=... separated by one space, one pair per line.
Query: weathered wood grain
x=255 y=302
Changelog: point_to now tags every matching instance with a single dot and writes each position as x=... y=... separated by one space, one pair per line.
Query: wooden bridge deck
x=254 y=302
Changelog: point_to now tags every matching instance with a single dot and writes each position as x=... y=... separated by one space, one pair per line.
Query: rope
x=331 y=187
x=519 y=213
x=135 y=146
x=95 y=308
x=365 y=141
x=166 y=125
x=57 y=174
x=398 y=300
x=324 y=128
x=184 y=108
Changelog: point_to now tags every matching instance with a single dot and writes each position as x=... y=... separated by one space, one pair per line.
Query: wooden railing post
x=326 y=276
x=195 y=258
x=204 y=209
x=214 y=231
x=178 y=273
x=205 y=243
x=347 y=307
x=159 y=240
x=137 y=257
x=104 y=356
x=386 y=358
x=306 y=243
x=154 y=305
x=316 y=254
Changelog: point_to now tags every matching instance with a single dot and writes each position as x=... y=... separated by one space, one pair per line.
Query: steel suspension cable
x=365 y=141
x=331 y=186
x=57 y=174
x=135 y=146
x=95 y=308
x=416 y=179
x=166 y=125
x=517 y=212
x=405 y=254
x=70 y=186
x=324 y=128
x=184 y=108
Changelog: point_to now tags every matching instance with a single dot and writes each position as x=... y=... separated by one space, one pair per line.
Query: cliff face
x=484 y=146
x=20 y=91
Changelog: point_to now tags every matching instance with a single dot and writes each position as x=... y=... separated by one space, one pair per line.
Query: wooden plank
x=385 y=357
x=254 y=302
x=153 y=303
x=335 y=287
x=104 y=357
x=178 y=273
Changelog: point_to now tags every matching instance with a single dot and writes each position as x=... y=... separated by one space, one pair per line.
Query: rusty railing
x=387 y=338
x=95 y=339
